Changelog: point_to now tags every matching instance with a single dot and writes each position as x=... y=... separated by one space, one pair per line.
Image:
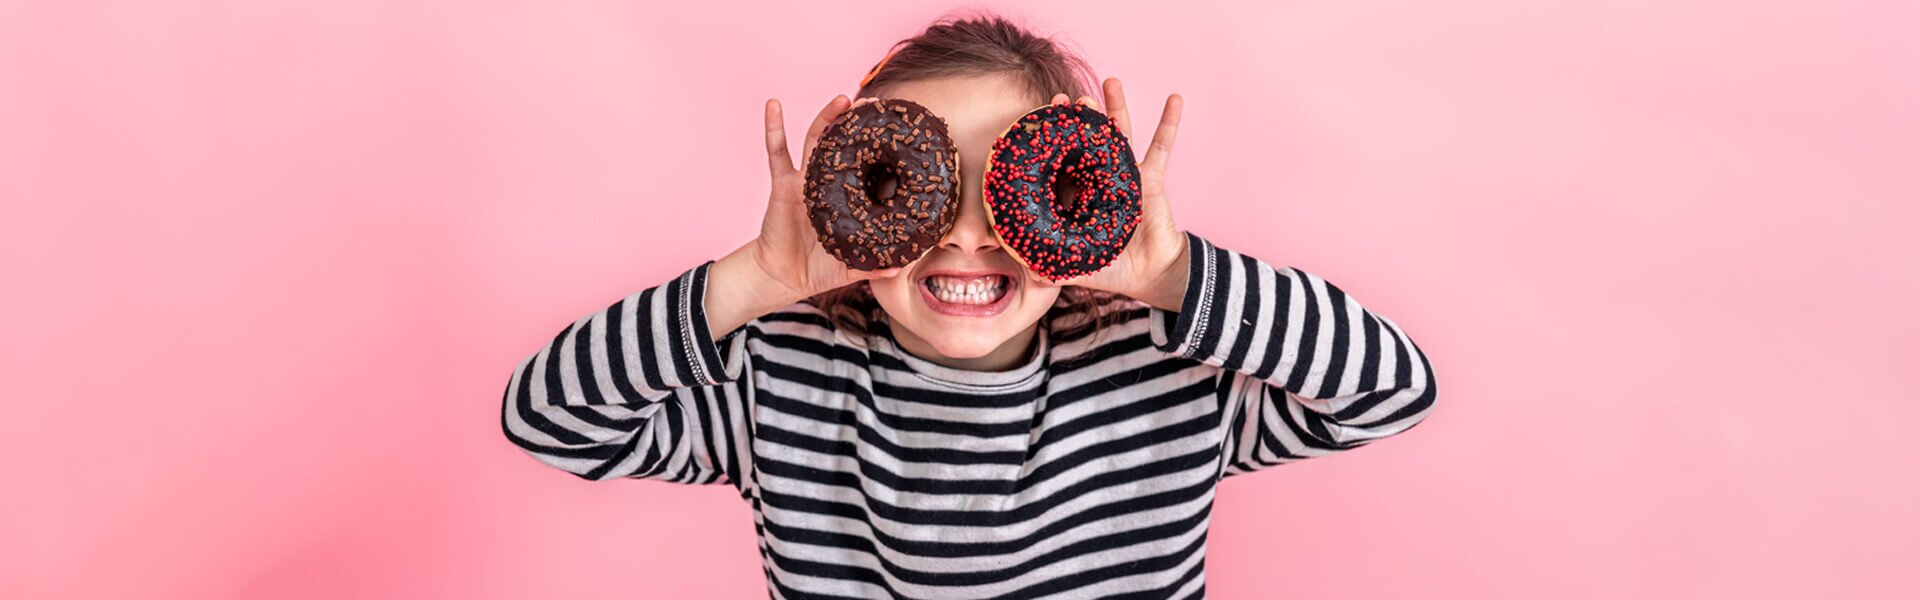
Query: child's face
x=935 y=310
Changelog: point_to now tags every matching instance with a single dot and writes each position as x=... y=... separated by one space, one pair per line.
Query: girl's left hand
x=1153 y=266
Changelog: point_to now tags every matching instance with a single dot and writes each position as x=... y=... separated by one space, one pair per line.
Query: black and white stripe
x=1087 y=472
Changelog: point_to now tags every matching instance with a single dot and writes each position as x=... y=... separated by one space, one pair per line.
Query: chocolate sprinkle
x=867 y=145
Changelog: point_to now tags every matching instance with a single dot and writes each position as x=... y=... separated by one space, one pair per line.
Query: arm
x=654 y=386
x=640 y=389
x=1310 y=371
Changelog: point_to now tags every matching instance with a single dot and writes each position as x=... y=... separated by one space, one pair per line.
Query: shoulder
x=1089 y=320
x=803 y=324
x=796 y=317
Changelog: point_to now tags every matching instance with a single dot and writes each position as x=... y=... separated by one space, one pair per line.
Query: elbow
x=1422 y=397
x=1421 y=407
x=1416 y=402
x=1413 y=404
x=591 y=462
x=524 y=426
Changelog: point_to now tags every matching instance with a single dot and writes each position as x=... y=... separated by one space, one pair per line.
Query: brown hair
x=979 y=45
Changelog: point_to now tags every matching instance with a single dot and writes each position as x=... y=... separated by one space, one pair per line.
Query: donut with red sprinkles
x=880 y=184
x=1062 y=190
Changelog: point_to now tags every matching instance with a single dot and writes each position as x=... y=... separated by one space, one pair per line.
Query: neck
x=1010 y=354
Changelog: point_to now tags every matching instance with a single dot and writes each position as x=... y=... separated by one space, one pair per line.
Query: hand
x=1153 y=266
x=788 y=250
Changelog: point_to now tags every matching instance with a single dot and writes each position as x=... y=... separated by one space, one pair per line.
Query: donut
x=880 y=184
x=1081 y=228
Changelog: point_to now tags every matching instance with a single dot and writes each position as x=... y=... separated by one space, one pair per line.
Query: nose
x=971 y=233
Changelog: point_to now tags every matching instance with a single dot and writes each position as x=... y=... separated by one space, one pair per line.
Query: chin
x=909 y=304
x=971 y=347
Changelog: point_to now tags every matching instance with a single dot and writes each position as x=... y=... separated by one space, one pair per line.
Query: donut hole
x=881 y=183
x=1067 y=203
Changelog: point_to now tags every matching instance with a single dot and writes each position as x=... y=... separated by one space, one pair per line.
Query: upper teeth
x=960 y=289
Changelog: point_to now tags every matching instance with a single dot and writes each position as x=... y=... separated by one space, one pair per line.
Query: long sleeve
x=1308 y=370
x=638 y=389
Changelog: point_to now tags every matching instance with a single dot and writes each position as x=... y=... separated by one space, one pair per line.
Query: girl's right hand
x=788 y=250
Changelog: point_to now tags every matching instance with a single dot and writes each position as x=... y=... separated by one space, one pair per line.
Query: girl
x=896 y=437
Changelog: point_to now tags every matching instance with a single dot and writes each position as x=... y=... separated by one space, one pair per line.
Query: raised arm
x=654 y=386
x=1308 y=370
x=639 y=389
x=1311 y=371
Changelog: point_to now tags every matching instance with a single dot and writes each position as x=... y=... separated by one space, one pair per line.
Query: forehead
x=975 y=107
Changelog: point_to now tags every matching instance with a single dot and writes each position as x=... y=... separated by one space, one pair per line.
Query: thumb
x=877 y=273
x=1036 y=278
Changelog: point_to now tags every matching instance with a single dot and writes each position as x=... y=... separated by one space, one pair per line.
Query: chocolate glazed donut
x=880 y=184
x=1062 y=190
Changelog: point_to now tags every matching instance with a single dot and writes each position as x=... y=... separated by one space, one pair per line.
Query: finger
x=820 y=122
x=1040 y=280
x=1077 y=280
x=833 y=109
x=876 y=273
x=1088 y=101
x=779 y=158
x=1163 y=134
x=1057 y=98
x=1117 y=106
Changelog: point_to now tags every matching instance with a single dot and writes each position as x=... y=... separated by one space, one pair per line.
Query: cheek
x=896 y=289
x=1037 y=297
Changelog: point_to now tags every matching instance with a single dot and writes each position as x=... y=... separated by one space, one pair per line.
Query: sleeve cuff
x=712 y=361
x=1182 y=333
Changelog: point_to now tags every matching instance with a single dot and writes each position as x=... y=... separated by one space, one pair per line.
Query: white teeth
x=984 y=290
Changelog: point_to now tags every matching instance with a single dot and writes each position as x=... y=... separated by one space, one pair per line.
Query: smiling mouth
x=974 y=296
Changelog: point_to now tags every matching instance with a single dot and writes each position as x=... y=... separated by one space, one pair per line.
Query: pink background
x=269 y=265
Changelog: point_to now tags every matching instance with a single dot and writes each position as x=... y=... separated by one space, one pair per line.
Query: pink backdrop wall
x=269 y=265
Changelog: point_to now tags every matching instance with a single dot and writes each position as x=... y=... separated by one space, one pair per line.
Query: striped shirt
x=1087 y=471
